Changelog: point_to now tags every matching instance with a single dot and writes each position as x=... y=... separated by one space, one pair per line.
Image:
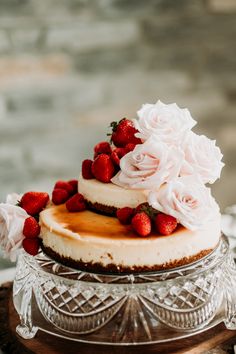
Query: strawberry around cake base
x=98 y=243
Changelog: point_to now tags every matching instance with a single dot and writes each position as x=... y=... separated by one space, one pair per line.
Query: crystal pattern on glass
x=229 y=286
x=22 y=295
x=125 y=309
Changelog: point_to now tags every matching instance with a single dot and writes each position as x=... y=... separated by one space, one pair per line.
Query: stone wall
x=69 y=67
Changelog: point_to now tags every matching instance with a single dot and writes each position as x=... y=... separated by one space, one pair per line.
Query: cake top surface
x=82 y=225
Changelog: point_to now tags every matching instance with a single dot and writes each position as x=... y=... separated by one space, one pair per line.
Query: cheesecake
x=144 y=200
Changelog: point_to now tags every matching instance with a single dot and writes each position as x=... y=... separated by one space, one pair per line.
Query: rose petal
x=202 y=158
x=149 y=165
x=12 y=220
x=168 y=122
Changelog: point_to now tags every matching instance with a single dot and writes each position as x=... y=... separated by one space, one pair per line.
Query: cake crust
x=120 y=269
x=101 y=209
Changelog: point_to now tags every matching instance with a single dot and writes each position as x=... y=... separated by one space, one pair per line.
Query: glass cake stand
x=125 y=309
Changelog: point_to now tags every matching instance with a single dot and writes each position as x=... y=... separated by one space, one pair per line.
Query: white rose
x=202 y=157
x=13 y=198
x=168 y=122
x=188 y=200
x=12 y=220
x=149 y=165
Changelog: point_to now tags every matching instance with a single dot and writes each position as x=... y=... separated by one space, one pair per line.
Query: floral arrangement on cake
x=157 y=152
x=160 y=153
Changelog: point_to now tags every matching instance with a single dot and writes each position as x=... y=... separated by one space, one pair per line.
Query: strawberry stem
x=114 y=126
x=36 y=217
x=152 y=213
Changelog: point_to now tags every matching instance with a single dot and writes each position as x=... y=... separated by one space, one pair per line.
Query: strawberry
x=102 y=148
x=64 y=185
x=76 y=203
x=31 y=245
x=31 y=228
x=142 y=224
x=130 y=147
x=87 y=169
x=34 y=202
x=60 y=196
x=124 y=215
x=165 y=224
x=117 y=154
x=74 y=185
x=123 y=133
x=103 y=168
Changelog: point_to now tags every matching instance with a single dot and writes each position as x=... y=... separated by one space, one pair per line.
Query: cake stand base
x=45 y=343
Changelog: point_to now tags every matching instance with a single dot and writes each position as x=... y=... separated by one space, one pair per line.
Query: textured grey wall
x=69 y=67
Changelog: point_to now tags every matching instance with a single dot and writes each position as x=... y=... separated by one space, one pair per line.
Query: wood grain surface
x=47 y=344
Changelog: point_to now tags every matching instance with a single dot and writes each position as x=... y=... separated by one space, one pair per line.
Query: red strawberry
x=31 y=228
x=103 y=168
x=124 y=133
x=64 y=185
x=130 y=147
x=34 y=202
x=31 y=245
x=102 y=148
x=124 y=215
x=60 y=196
x=165 y=224
x=117 y=154
x=76 y=203
x=87 y=169
x=74 y=185
x=142 y=224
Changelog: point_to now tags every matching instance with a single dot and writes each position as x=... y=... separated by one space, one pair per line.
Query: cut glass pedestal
x=125 y=309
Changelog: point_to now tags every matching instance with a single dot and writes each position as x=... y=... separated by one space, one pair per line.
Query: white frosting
x=124 y=251
x=109 y=194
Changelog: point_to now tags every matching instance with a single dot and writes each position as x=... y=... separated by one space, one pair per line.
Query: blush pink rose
x=167 y=122
x=202 y=158
x=12 y=220
x=149 y=165
x=188 y=200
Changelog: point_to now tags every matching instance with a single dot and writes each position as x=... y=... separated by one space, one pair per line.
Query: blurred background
x=69 y=67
